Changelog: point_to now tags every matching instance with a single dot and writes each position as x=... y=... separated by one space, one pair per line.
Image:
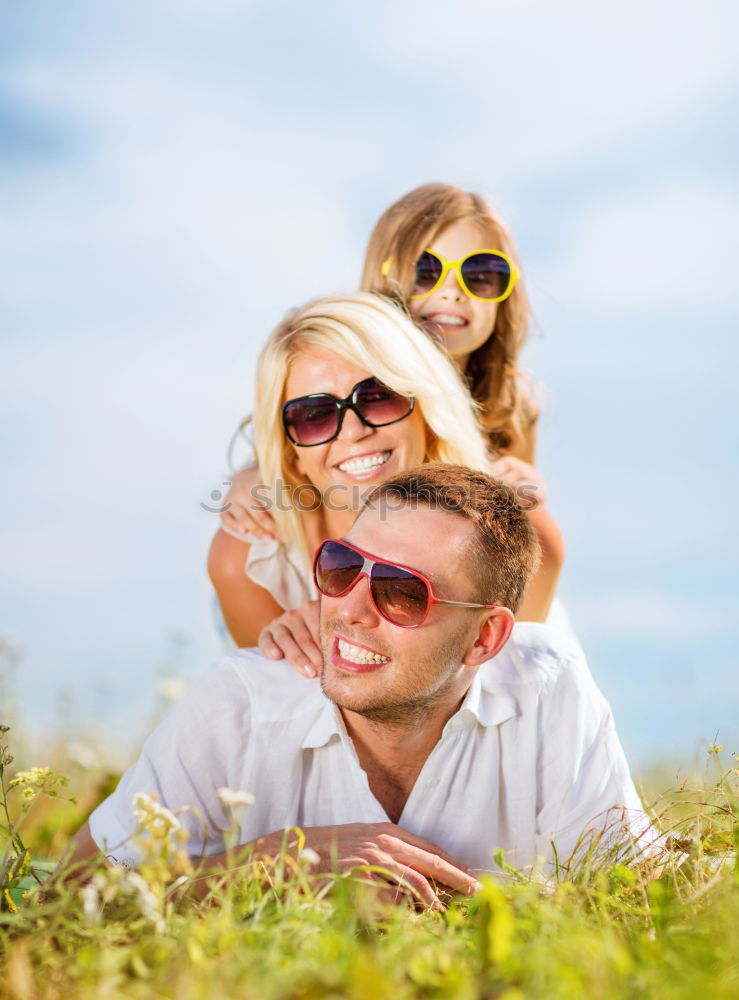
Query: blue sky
x=159 y=161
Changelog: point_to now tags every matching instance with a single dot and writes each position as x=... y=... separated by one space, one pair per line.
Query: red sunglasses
x=402 y=596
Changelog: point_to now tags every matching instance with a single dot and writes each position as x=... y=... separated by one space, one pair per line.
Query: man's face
x=381 y=670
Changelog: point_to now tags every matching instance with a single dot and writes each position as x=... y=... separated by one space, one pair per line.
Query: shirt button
x=433 y=783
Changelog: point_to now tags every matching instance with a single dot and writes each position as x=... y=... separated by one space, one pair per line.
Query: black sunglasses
x=317 y=419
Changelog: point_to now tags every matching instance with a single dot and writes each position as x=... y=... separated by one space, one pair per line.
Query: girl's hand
x=524 y=480
x=247 y=506
x=294 y=636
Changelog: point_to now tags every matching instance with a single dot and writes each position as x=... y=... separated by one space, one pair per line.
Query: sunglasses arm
x=464 y=604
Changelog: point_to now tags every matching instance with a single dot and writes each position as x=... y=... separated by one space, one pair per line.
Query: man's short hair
x=505 y=553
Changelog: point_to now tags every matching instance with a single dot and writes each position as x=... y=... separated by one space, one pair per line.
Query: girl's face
x=464 y=324
x=360 y=456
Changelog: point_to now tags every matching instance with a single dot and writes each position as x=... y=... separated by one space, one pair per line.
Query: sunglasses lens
x=428 y=272
x=400 y=596
x=311 y=419
x=378 y=405
x=336 y=568
x=486 y=275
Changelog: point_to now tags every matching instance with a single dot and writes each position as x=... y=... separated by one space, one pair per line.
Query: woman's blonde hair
x=372 y=333
x=401 y=235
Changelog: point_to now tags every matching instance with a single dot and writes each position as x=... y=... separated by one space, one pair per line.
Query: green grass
x=613 y=932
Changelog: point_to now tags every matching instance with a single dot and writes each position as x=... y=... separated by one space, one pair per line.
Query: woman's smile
x=364 y=465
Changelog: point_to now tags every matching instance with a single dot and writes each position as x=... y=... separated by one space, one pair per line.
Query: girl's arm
x=540 y=592
x=525 y=447
x=247 y=608
x=530 y=491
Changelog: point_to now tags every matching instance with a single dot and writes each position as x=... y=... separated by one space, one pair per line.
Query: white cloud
x=555 y=83
x=43 y=557
x=674 y=243
x=637 y=612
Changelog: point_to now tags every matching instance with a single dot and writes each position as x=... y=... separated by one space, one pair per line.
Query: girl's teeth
x=355 y=654
x=364 y=462
x=447 y=320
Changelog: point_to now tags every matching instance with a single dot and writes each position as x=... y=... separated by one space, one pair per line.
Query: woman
x=349 y=392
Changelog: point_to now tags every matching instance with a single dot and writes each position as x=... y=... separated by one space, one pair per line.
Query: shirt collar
x=488 y=704
x=325 y=725
x=485 y=706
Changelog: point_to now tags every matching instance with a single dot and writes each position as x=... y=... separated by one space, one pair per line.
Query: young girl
x=443 y=256
x=449 y=259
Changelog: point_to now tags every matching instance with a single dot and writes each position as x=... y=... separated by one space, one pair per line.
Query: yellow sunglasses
x=487 y=275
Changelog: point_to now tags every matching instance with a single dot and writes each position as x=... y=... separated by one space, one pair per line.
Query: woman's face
x=464 y=324
x=360 y=455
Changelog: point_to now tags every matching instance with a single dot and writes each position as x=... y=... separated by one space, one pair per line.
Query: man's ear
x=494 y=632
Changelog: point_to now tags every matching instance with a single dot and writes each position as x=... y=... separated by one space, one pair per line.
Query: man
x=439 y=732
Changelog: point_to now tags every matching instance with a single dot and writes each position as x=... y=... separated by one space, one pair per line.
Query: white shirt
x=531 y=757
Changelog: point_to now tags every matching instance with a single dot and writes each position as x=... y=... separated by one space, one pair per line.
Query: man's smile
x=355 y=659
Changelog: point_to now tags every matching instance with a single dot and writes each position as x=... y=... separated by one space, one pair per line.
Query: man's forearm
x=411 y=863
x=81 y=856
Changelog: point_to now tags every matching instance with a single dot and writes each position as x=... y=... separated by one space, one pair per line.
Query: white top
x=279 y=568
x=531 y=756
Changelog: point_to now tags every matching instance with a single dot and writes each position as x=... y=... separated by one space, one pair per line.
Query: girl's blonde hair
x=401 y=235
x=372 y=333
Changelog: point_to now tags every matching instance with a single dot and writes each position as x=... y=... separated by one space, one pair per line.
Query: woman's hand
x=525 y=481
x=247 y=506
x=294 y=636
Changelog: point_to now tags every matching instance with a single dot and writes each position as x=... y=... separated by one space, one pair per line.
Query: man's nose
x=356 y=607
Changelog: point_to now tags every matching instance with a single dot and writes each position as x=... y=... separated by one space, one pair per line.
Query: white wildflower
x=173 y=688
x=231 y=798
x=82 y=754
x=90 y=904
x=98 y=891
x=91 y=900
x=309 y=856
x=154 y=816
x=150 y=907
